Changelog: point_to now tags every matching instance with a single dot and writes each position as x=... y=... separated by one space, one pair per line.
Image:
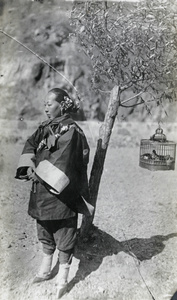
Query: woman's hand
x=31 y=174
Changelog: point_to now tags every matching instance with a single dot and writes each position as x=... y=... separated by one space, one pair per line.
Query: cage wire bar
x=157 y=153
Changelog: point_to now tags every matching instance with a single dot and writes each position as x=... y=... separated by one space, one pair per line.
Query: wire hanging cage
x=157 y=153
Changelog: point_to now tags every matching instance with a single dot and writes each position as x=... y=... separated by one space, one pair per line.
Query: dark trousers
x=60 y=234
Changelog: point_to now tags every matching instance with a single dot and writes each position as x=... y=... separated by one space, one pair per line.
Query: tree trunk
x=100 y=154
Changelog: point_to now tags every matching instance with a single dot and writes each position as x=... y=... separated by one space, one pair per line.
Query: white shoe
x=62 y=280
x=45 y=269
x=61 y=290
x=39 y=278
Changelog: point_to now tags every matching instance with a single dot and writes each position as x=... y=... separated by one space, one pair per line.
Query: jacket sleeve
x=28 y=153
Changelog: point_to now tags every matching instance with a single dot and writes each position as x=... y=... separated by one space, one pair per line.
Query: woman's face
x=52 y=107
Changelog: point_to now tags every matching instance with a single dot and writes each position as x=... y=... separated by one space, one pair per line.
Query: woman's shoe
x=39 y=278
x=61 y=290
x=45 y=269
x=62 y=279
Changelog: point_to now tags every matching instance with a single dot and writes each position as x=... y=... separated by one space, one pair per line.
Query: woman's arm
x=26 y=163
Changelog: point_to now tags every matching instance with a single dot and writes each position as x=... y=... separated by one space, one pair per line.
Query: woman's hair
x=68 y=105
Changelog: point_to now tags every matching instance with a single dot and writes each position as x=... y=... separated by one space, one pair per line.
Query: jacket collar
x=66 y=119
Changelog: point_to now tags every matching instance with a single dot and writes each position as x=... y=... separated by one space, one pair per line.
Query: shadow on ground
x=174 y=296
x=99 y=244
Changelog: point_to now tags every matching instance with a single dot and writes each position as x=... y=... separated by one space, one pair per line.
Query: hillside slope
x=44 y=27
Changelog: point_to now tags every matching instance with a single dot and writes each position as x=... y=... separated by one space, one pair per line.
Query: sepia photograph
x=88 y=134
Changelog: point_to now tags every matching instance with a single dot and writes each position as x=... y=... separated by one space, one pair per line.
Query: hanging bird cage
x=157 y=153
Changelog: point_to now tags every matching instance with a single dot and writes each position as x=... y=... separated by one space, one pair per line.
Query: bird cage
x=157 y=153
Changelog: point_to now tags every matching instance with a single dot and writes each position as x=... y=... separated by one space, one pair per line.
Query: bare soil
x=131 y=251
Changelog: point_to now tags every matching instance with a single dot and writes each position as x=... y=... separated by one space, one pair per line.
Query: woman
x=55 y=158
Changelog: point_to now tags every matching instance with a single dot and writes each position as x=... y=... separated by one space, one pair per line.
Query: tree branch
x=131 y=98
x=133 y=105
x=42 y=59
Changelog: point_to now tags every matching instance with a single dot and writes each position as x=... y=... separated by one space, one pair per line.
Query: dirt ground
x=131 y=252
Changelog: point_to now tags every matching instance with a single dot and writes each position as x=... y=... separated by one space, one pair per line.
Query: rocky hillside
x=44 y=27
x=25 y=79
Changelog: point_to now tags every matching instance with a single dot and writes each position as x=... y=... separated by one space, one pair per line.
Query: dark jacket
x=59 y=153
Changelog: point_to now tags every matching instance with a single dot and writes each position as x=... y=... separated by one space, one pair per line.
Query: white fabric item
x=46 y=264
x=52 y=176
x=25 y=160
x=62 y=280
